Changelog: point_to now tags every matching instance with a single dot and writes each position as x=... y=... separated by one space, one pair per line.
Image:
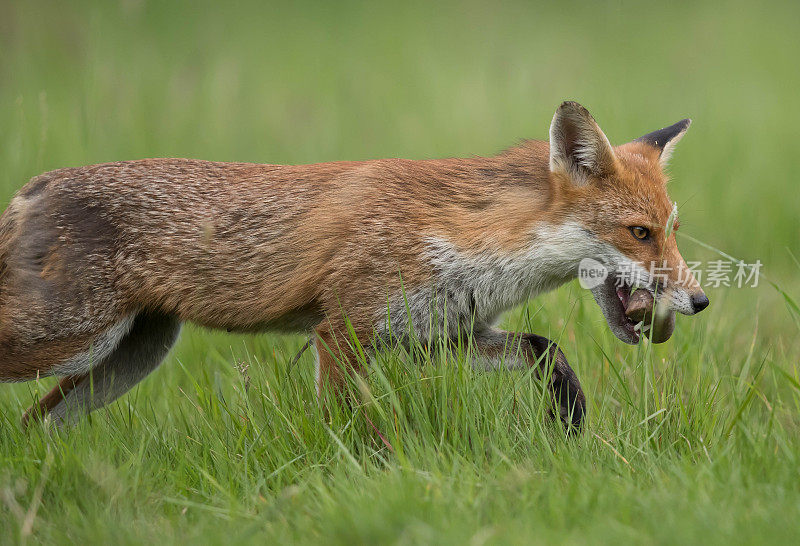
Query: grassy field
x=696 y=440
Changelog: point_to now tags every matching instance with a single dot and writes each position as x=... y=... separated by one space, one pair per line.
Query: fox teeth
x=639 y=326
x=646 y=328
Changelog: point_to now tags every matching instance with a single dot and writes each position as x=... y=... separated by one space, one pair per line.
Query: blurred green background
x=303 y=82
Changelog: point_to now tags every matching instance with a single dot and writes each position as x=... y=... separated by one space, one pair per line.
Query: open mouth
x=631 y=326
x=631 y=313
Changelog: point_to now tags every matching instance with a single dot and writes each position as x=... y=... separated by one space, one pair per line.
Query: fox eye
x=641 y=233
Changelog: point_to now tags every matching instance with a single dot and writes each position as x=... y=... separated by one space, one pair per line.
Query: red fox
x=100 y=265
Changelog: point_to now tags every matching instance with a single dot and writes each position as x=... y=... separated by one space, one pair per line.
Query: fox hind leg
x=337 y=361
x=138 y=353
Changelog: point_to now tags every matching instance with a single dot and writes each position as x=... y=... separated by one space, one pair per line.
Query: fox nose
x=699 y=302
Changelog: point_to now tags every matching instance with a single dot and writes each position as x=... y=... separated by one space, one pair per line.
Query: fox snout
x=686 y=296
x=699 y=301
x=685 y=302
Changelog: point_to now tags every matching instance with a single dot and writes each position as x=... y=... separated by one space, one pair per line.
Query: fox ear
x=578 y=147
x=665 y=139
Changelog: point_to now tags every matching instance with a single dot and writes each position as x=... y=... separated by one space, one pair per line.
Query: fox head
x=617 y=195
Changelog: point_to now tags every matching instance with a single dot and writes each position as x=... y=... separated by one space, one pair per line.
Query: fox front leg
x=498 y=349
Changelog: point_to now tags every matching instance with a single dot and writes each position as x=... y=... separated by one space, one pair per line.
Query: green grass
x=695 y=440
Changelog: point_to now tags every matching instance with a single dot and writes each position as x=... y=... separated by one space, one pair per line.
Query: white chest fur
x=471 y=289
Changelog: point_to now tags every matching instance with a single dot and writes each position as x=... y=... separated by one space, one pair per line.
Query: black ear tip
x=660 y=138
x=571 y=106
